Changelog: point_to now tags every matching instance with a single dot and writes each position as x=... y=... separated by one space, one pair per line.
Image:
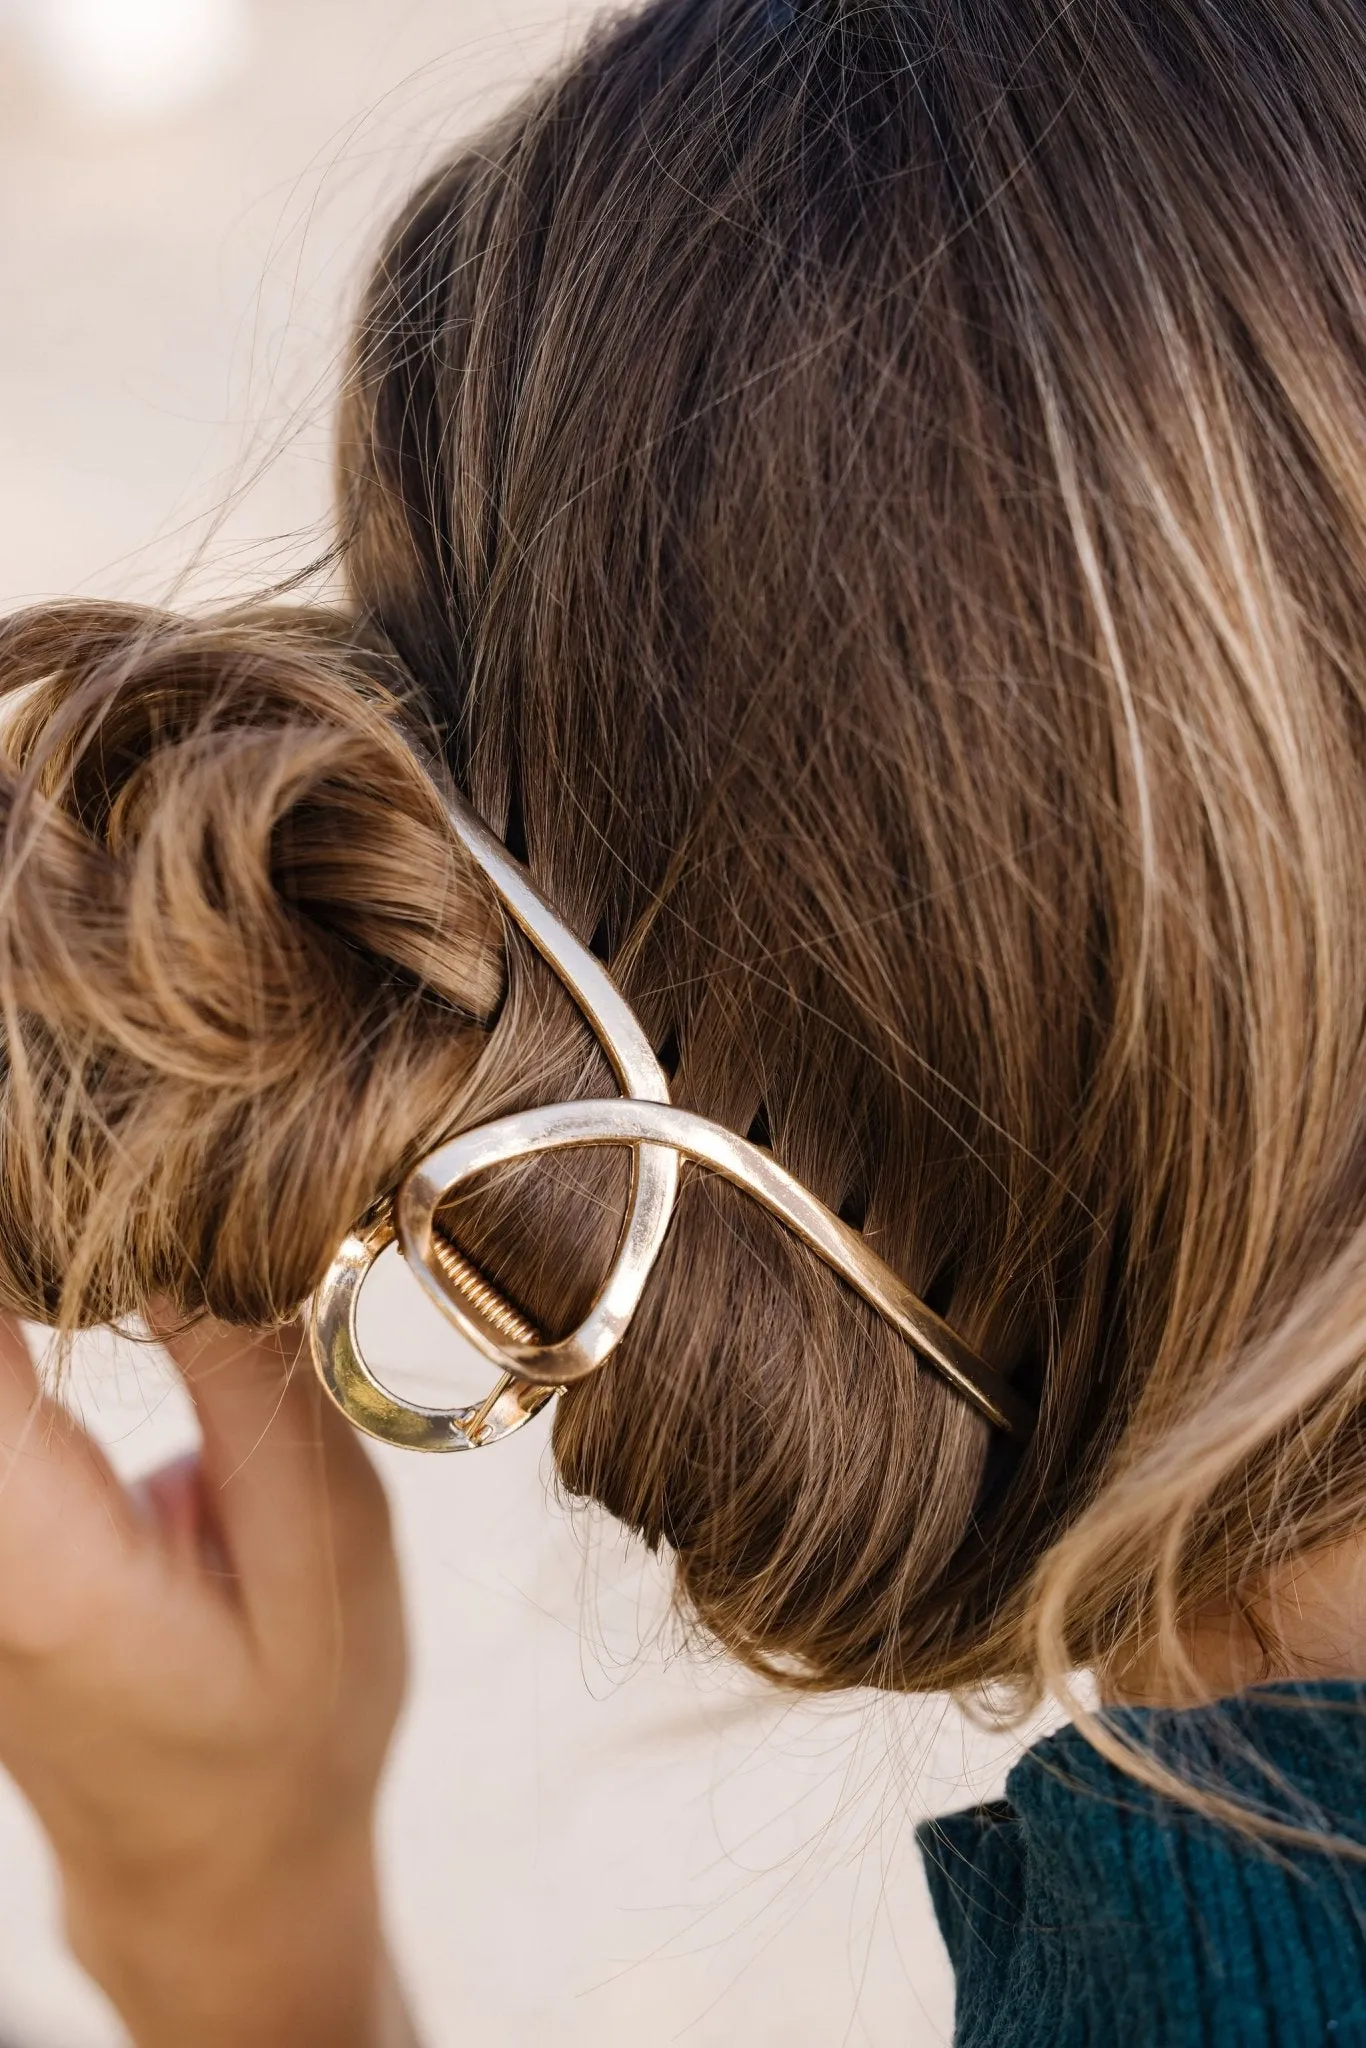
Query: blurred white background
x=590 y=1837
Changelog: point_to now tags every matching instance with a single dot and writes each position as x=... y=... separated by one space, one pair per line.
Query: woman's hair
x=870 y=501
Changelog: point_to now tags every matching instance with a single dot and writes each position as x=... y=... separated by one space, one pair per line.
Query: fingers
x=280 y=1471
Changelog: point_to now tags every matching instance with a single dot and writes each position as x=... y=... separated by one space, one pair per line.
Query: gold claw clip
x=658 y=1137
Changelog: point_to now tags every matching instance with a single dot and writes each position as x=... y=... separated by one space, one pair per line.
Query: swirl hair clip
x=658 y=1136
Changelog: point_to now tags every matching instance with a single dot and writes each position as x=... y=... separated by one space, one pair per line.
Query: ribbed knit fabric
x=1084 y=1911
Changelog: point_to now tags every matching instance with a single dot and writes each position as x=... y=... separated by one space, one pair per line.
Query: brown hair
x=870 y=501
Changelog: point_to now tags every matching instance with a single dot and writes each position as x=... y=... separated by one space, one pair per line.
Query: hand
x=198 y=1683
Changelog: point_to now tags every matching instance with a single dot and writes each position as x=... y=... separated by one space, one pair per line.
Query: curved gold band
x=658 y=1136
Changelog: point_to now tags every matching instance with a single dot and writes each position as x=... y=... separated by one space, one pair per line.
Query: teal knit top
x=1085 y=1911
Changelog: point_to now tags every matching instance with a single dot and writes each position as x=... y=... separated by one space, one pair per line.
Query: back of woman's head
x=868 y=500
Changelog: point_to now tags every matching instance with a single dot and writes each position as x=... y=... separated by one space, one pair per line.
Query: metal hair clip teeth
x=659 y=1137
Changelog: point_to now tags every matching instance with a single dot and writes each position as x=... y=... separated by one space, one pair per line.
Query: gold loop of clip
x=659 y=1137
x=370 y=1405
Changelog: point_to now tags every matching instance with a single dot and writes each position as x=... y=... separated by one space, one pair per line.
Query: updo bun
x=244 y=966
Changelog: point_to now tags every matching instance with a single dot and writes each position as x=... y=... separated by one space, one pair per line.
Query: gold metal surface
x=659 y=1137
